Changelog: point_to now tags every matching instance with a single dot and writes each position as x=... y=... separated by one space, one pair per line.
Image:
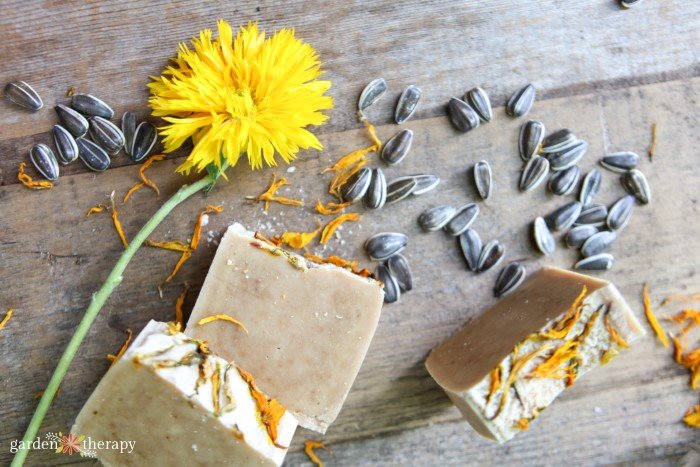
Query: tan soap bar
x=508 y=364
x=181 y=406
x=309 y=325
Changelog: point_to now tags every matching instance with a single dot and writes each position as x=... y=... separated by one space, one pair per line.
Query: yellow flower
x=251 y=94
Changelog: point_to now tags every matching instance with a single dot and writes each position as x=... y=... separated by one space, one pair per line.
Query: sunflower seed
x=620 y=213
x=400 y=189
x=589 y=187
x=463 y=218
x=483 y=178
x=384 y=245
x=371 y=93
x=491 y=255
x=87 y=104
x=106 y=134
x=534 y=173
x=509 y=279
x=598 y=243
x=129 y=122
x=399 y=268
x=397 y=147
x=595 y=215
x=66 y=148
x=145 y=138
x=463 y=117
x=23 y=95
x=470 y=243
x=620 y=162
x=425 y=183
x=392 y=292
x=630 y=3
x=521 y=101
x=577 y=236
x=356 y=186
x=93 y=156
x=636 y=184
x=44 y=161
x=601 y=262
x=558 y=141
x=480 y=102
x=72 y=120
x=563 y=182
x=531 y=135
x=564 y=216
x=544 y=240
x=436 y=218
x=566 y=158
x=376 y=192
x=407 y=104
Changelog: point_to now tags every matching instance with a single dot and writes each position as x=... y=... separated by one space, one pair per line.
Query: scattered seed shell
x=492 y=254
x=509 y=279
x=376 y=192
x=106 y=134
x=598 y=243
x=471 y=247
x=462 y=219
x=480 y=102
x=72 y=120
x=564 y=182
x=44 y=161
x=568 y=157
x=66 y=147
x=93 y=156
x=544 y=240
x=23 y=95
x=145 y=139
x=399 y=268
x=558 y=141
x=483 y=178
x=576 y=237
x=392 y=292
x=534 y=173
x=530 y=139
x=521 y=101
x=407 y=104
x=436 y=218
x=425 y=183
x=630 y=3
x=589 y=187
x=355 y=188
x=129 y=123
x=397 y=147
x=595 y=215
x=636 y=184
x=620 y=162
x=601 y=262
x=384 y=245
x=620 y=213
x=371 y=93
x=564 y=216
x=87 y=104
x=463 y=117
x=400 y=189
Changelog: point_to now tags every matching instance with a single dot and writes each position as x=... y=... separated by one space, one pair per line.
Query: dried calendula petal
x=7 y=317
x=331 y=227
x=523 y=424
x=29 y=182
x=125 y=345
x=681 y=298
x=496 y=375
x=142 y=175
x=132 y=190
x=271 y=411
x=350 y=159
x=688 y=317
x=222 y=317
x=557 y=365
x=653 y=322
x=178 y=305
x=342 y=177
x=692 y=416
x=99 y=208
x=269 y=195
x=117 y=223
x=183 y=258
x=209 y=209
x=335 y=260
x=299 y=239
x=172 y=245
x=515 y=369
x=309 y=447
x=614 y=334
x=561 y=329
x=330 y=208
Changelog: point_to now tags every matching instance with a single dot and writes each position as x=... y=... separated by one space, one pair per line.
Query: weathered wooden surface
x=52 y=258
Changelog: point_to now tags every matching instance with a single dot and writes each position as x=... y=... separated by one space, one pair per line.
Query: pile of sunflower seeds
x=85 y=117
x=394 y=270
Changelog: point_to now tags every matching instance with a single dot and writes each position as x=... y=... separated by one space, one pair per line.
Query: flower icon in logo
x=70 y=443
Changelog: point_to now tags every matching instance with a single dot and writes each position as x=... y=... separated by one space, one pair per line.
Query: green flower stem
x=98 y=300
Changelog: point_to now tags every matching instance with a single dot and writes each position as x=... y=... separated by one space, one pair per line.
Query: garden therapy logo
x=71 y=444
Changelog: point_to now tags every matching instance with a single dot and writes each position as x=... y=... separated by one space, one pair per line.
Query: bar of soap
x=309 y=325
x=181 y=406
x=504 y=367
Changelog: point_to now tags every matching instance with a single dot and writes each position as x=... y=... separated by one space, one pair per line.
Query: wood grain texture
x=583 y=57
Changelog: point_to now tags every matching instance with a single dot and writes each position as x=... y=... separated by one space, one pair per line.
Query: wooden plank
x=110 y=49
x=54 y=258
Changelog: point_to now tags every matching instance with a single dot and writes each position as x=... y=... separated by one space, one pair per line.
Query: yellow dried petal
x=562 y=328
x=122 y=349
x=335 y=223
x=330 y=208
x=309 y=449
x=178 y=306
x=27 y=181
x=692 y=416
x=142 y=171
x=99 y=208
x=552 y=366
x=299 y=239
x=681 y=298
x=222 y=317
x=172 y=245
x=653 y=322
x=132 y=190
x=7 y=317
x=269 y=195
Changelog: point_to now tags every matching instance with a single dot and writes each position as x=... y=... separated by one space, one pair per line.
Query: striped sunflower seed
x=509 y=279
x=23 y=95
x=397 y=147
x=425 y=183
x=392 y=292
x=371 y=93
x=399 y=268
x=66 y=147
x=534 y=173
x=620 y=162
x=356 y=186
x=598 y=243
x=564 y=182
x=544 y=240
x=576 y=237
x=384 y=245
x=589 y=187
x=471 y=247
x=521 y=101
x=376 y=192
x=620 y=213
x=93 y=156
x=568 y=157
x=483 y=178
x=106 y=134
x=399 y=189
x=560 y=140
x=630 y=3
x=145 y=138
x=492 y=254
x=530 y=139
x=407 y=104
x=87 y=104
x=72 y=120
x=129 y=122
x=636 y=184
x=44 y=161
x=601 y=262
x=595 y=215
x=463 y=117
x=436 y=218
x=564 y=216
x=463 y=218
x=480 y=102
